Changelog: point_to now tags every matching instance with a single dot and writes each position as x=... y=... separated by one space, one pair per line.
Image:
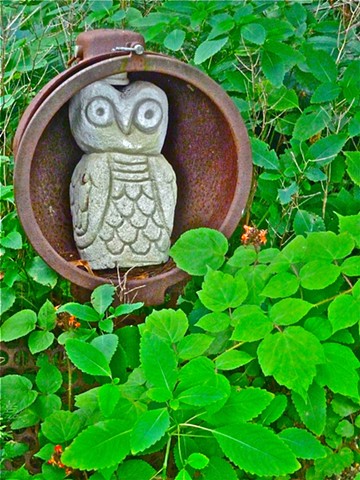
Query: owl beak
x=124 y=122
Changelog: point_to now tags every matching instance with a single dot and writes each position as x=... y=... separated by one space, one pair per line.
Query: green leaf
x=274 y=410
x=351 y=81
x=126 y=308
x=194 y=345
x=310 y=123
x=302 y=443
x=41 y=272
x=325 y=150
x=201 y=395
x=18 y=325
x=351 y=267
x=109 y=395
x=262 y=156
x=291 y=357
x=243 y=255
x=326 y=92
x=198 y=461
x=45 y=405
x=281 y=285
x=87 y=358
x=254 y=33
x=334 y=463
x=353 y=166
x=149 y=428
x=251 y=324
x=208 y=248
x=208 y=48
x=354 y=125
x=102 y=297
x=289 y=311
x=136 y=470
x=339 y=372
x=167 y=324
x=174 y=40
x=312 y=408
x=99 y=446
x=61 y=426
x=49 y=378
x=328 y=246
x=160 y=366
x=318 y=274
x=182 y=475
x=106 y=344
x=345 y=429
x=39 y=341
x=16 y=394
x=256 y=449
x=82 y=312
x=286 y=194
x=232 y=359
x=12 y=240
x=305 y=222
x=344 y=406
x=214 y=322
x=221 y=291
x=273 y=67
x=350 y=224
x=219 y=468
x=283 y=99
x=47 y=316
x=344 y=312
x=321 y=65
x=8 y=298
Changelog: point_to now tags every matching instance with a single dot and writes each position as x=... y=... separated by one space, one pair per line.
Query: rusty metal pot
x=206 y=144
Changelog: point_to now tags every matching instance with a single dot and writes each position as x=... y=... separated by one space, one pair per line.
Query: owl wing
x=89 y=192
x=164 y=181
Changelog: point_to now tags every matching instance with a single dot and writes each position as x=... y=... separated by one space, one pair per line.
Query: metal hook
x=138 y=49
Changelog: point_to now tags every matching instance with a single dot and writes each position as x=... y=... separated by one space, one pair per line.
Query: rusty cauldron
x=206 y=144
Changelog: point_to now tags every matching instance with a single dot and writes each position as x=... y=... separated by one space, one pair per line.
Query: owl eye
x=100 y=112
x=148 y=115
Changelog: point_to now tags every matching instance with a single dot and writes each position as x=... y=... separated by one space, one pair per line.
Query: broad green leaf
x=325 y=150
x=106 y=344
x=318 y=274
x=291 y=357
x=202 y=395
x=339 y=372
x=183 y=475
x=198 y=371
x=283 y=99
x=254 y=33
x=129 y=339
x=274 y=410
x=169 y=325
x=174 y=40
x=232 y=359
x=328 y=246
x=289 y=311
x=99 y=446
x=47 y=316
x=242 y=405
x=321 y=65
x=219 y=468
x=243 y=255
x=222 y=24
x=350 y=224
x=345 y=429
x=12 y=240
x=16 y=394
x=262 y=156
x=198 y=461
x=82 y=312
x=149 y=428
x=281 y=285
x=214 y=322
x=286 y=194
x=8 y=298
x=351 y=80
x=315 y=174
x=353 y=166
x=26 y=418
x=18 y=325
x=109 y=395
x=251 y=324
x=319 y=326
x=207 y=49
x=160 y=366
x=256 y=449
x=354 y=125
x=343 y=406
x=334 y=463
x=194 y=345
x=45 y=405
x=351 y=267
x=310 y=123
x=40 y=340
x=87 y=358
x=61 y=426
x=302 y=443
x=41 y=272
x=221 y=291
x=344 y=312
x=136 y=470
x=208 y=248
x=312 y=408
x=305 y=222
x=48 y=379
x=273 y=67
x=102 y=297
x=126 y=308
x=326 y=92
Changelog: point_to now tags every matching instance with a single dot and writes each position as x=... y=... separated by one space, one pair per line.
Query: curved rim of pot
x=49 y=103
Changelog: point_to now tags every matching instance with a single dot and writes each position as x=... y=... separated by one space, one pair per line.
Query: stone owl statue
x=123 y=191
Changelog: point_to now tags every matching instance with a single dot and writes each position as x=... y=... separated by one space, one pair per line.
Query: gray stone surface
x=123 y=191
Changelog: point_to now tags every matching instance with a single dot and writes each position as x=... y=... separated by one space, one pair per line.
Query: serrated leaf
x=283 y=99
x=262 y=156
x=194 y=345
x=274 y=410
x=99 y=446
x=256 y=449
x=318 y=274
x=221 y=291
x=353 y=166
x=351 y=267
x=106 y=344
x=325 y=150
x=326 y=92
x=169 y=325
x=174 y=40
x=339 y=372
x=281 y=285
x=350 y=224
x=136 y=470
x=344 y=312
x=214 y=322
x=8 y=298
x=289 y=311
x=47 y=316
x=328 y=246
x=273 y=67
x=251 y=324
x=61 y=426
x=87 y=358
x=182 y=475
x=41 y=272
x=48 y=379
x=345 y=429
x=302 y=443
x=254 y=33
x=127 y=308
x=109 y=395
x=232 y=359
x=286 y=194
x=219 y=468
x=207 y=49
x=12 y=240
x=16 y=394
x=354 y=125
x=102 y=297
x=312 y=408
x=200 y=396
x=344 y=406
x=198 y=461
x=82 y=312
x=351 y=81
x=18 y=325
x=310 y=123
x=291 y=357
x=321 y=65
x=149 y=428
x=243 y=255
x=208 y=248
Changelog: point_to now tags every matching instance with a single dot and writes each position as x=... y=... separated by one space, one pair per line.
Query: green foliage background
x=256 y=372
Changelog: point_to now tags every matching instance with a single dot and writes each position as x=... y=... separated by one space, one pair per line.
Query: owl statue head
x=130 y=119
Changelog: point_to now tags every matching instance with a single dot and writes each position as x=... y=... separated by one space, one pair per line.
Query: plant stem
x=166 y=459
x=69 y=370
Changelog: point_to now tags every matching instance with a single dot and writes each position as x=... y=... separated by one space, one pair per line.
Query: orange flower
x=253 y=236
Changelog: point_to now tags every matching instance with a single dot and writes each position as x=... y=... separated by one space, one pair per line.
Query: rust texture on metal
x=207 y=145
